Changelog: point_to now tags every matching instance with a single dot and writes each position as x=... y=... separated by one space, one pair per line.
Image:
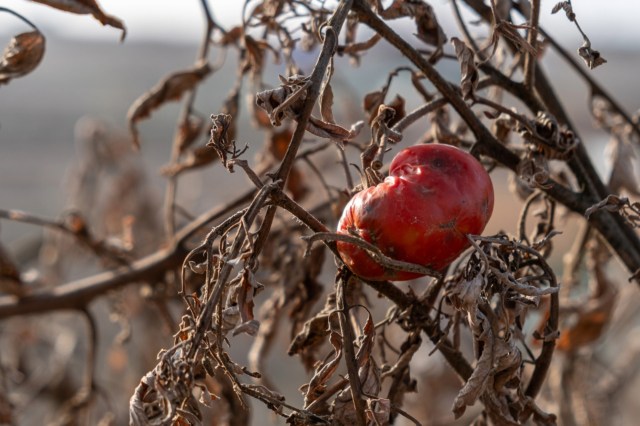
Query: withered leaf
x=250 y=327
x=568 y=10
x=476 y=385
x=86 y=7
x=429 y=31
x=612 y=203
x=591 y=57
x=168 y=89
x=324 y=372
x=232 y=36
x=372 y=101
x=326 y=96
x=194 y=159
x=468 y=72
x=353 y=48
x=21 y=56
x=534 y=171
x=333 y=131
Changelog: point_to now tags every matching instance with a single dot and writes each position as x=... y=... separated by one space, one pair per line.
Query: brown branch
x=78 y=294
x=347 y=344
x=532 y=39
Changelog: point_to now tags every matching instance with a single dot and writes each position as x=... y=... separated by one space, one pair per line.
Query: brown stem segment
x=347 y=344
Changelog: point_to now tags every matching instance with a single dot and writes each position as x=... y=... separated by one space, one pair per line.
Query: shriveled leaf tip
x=22 y=55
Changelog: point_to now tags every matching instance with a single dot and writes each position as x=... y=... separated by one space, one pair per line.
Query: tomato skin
x=421 y=213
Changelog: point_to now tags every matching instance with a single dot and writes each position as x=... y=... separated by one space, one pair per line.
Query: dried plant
x=499 y=316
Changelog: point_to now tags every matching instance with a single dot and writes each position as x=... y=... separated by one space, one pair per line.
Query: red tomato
x=434 y=195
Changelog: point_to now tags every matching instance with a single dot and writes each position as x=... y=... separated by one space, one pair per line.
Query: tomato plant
x=421 y=213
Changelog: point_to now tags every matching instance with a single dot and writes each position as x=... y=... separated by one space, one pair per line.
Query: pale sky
x=612 y=22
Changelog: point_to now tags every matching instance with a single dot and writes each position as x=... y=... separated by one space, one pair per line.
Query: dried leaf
x=206 y=397
x=21 y=56
x=613 y=203
x=534 y=171
x=477 y=383
x=314 y=330
x=324 y=371
x=429 y=31
x=353 y=48
x=568 y=10
x=250 y=327
x=86 y=7
x=194 y=159
x=326 y=96
x=333 y=131
x=465 y=295
x=468 y=72
x=232 y=36
x=170 y=88
x=590 y=56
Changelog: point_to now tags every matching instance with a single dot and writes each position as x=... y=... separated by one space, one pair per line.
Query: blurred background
x=88 y=76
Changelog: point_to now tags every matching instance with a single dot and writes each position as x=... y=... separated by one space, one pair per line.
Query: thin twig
x=347 y=345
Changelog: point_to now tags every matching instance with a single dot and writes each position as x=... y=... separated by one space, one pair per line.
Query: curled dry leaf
x=621 y=205
x=21 y=56
x=170 y=88
x=533 y=170
x=287 y=100
x=373 y=100
x=477 y=383
x=568 y=10
x=86 y=7
x=590 y=56
x=429 y=31
x=502 y=127
x=326 y=96
x=314 y=331
x=323 y=373
x=469 y=75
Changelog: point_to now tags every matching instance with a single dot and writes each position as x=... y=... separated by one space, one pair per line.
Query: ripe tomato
x=434 y=195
